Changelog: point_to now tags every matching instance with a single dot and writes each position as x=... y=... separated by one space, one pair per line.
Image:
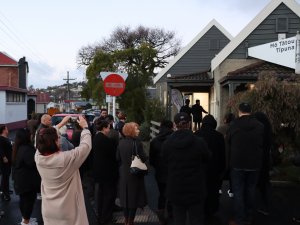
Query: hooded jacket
x=185 y=156
x=155 y=154
x=245 y=139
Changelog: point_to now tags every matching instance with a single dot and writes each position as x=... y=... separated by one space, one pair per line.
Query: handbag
x=137 y=167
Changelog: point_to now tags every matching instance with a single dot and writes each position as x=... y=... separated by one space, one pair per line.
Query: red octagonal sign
x=114 y=84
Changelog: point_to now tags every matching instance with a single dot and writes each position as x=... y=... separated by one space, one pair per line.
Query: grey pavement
x=284 y=205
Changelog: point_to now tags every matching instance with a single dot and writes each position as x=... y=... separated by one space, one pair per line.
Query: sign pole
x=297 y=54
x=114 y=106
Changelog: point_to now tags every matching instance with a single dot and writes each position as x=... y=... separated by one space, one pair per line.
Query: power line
x=18 y=39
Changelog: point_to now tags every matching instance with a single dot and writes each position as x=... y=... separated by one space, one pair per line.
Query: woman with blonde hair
x=132 y=187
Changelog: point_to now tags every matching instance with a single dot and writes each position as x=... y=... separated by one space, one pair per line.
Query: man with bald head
x=46 y=122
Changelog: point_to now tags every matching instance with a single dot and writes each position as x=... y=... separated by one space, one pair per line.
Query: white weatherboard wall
x=2 y=106
x=15 y=112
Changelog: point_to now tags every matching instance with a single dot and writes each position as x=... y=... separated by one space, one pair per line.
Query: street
x=285 y=204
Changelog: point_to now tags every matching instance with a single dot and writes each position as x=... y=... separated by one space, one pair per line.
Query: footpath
x=285 y=204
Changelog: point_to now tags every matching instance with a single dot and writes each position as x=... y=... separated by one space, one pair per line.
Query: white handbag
x=137 y=167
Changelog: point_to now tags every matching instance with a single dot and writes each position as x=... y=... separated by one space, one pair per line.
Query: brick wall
x=9 y=76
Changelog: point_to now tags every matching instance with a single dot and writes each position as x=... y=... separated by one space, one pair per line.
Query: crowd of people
x=189 y=167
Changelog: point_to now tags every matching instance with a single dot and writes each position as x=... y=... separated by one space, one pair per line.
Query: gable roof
x=231 y=46
x=6 y=60
x=190 y=45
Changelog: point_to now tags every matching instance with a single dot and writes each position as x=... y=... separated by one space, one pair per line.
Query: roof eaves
x=250 y=27
x=190 y=45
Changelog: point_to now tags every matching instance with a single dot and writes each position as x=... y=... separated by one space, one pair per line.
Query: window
x=282 y=24
x=214 y=44
x=15 y=96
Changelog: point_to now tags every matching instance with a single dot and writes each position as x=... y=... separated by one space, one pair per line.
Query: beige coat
x=61 y=189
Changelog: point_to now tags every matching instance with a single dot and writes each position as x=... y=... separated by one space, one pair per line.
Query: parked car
x=57 y=118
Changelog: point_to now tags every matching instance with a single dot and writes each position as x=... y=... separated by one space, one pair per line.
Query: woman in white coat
x=61 y=189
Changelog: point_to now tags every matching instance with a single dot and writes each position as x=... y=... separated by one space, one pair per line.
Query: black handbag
x=137 y=167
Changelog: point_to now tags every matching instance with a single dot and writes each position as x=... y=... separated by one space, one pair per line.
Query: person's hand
x=82 y=122
x=65 y=120
x=5 y=160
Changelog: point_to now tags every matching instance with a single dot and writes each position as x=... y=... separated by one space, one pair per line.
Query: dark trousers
x=6 y=170
x=26 y=204
x=197 y=125
x=107 y=192
x=244 y=187
x=265 y=190
x=162 y=195
x=194 y=212
x=129 y=213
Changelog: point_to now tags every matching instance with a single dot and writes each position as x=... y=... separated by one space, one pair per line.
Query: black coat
x=215 y=167
x=155 y=154
x=26 y=176
x=197 y=112
x=132 y=187
x=5 y=149
x=245 y=139
x=105 y=166
x=186 y=156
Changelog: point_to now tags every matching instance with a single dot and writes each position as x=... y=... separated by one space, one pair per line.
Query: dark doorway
x=30 y=108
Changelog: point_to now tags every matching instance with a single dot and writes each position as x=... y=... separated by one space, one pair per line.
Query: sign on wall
x=280 y=52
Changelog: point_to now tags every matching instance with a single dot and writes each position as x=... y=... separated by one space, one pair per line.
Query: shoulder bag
x=137 y=167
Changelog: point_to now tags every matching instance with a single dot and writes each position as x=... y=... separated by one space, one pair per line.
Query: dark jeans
x=6 y=170
x=194 y=212
x=129 y=213
x=107 y=192
x=162 y=195
x=26 y=204
x=244 y=186
x=197 y=125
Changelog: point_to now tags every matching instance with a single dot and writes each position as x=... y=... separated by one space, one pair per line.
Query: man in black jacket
x=245 y=139
x=5 y=161
x=156 y=160
x=185 y=156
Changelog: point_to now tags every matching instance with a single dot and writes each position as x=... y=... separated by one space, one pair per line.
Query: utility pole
x=68 y=87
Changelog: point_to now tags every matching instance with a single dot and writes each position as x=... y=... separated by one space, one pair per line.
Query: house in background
x=13 y=91
x=230 y=70
x=234 y=70
x=37 y=102
x=189 y=72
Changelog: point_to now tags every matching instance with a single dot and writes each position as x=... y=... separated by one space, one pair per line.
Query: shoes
x=232 y=222
x=264 y=212
x=297 y=220
x=230 y=194
x=220 y=192
x=32 y=221
x=6 y=197
x=39 y=196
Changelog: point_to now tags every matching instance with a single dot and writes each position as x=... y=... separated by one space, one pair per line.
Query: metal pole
x=114 y=107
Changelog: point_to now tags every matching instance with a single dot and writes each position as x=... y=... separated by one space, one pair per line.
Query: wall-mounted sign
x=280 y=52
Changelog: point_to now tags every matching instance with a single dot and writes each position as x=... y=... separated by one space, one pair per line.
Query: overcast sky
x=50 y=33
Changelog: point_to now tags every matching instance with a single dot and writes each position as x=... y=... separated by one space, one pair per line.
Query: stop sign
x=114 y=84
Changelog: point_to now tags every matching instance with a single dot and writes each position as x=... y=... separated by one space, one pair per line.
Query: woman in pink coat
x=61 y=189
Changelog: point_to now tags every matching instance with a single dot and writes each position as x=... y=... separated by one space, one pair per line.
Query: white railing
x=154 y=128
